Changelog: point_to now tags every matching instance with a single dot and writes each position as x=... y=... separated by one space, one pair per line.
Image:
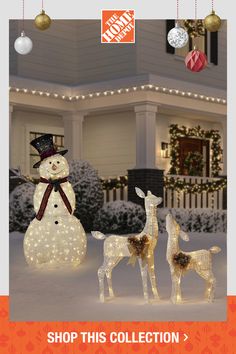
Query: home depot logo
x=118 y=26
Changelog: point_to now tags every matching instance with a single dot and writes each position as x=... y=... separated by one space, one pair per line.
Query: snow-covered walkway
x=72 y=295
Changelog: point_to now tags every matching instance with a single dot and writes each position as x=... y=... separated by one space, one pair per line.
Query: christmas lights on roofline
x=148 y=87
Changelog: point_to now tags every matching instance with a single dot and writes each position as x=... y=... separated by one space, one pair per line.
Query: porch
x=185 y=192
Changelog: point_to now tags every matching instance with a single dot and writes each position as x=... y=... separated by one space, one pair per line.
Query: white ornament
x=23 y=44
x=181 y=261
x=58 y=238
x=177 y=37
x=117 y=247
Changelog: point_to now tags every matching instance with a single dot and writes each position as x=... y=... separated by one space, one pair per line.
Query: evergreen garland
x=176 y=132
x=181 y=185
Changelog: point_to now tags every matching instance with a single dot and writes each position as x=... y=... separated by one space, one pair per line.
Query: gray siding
x=152 y=57
x=70 y=52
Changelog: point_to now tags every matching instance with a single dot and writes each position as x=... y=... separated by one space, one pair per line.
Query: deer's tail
x=215 y=249
x=98 y=235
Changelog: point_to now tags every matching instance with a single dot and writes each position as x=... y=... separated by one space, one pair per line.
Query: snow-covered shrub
x=21 y=207
x=120 y=217
x=195 y=220
x=88 y=190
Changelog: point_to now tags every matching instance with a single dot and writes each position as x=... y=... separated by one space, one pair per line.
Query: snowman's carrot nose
x=54 y=167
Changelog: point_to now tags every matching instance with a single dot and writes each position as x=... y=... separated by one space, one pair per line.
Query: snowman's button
x=55 y=205
x=56 y=222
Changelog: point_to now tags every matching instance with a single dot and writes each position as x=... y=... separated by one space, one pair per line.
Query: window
x=207 y=43
x=58 y=141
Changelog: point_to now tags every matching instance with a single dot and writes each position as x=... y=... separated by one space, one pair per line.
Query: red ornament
x=196 y=60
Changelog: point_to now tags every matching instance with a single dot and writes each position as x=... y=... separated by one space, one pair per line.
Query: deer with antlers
x=140 y=246
x=181 y=261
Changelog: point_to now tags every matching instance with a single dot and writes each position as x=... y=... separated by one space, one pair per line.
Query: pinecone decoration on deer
x=55 y=237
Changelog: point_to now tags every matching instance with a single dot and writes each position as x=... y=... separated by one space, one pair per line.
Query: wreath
x=194 y=163
x=176 y=132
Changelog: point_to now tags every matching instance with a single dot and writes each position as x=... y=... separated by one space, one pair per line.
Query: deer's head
x=150 y=200
x=173 y=228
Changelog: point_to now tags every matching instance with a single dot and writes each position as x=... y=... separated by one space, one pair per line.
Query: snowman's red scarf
x=56 y=184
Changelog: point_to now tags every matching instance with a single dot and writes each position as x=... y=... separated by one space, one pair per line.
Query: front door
x=187 y=145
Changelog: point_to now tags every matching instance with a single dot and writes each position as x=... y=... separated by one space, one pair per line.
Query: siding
x=22 y=121
x=109 y=142
x=152 y=57
x=70 y=52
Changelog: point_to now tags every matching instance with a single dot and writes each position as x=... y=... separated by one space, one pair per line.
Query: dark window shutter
x=214 y=48
x=169 y=25
x=206 y=43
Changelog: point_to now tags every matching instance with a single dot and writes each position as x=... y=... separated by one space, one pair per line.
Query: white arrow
x=185 y=337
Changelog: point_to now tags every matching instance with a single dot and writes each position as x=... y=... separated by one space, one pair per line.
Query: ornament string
x=195 y=10
x=42 y=5
x=212 y=5
x=177 y=10
x=23 y=14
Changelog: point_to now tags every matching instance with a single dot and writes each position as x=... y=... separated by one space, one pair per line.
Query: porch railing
x=180 y=199
x=115 y=194
x=117 y=189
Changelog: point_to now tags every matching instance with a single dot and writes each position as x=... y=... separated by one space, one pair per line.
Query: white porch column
x=146 y=135
x=11 y=108
x=73 y=131
x=224 y=124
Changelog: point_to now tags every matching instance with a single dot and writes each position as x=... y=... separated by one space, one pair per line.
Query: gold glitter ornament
x=42 y=21
x=212 y=22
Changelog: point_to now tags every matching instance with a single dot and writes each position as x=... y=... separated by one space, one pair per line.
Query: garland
x=176 y=132
x=180 y=185
x=114 y=183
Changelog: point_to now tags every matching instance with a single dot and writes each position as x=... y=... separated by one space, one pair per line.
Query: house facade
x=113 y=105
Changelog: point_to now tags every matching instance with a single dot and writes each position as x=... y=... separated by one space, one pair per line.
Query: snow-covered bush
x=88 y=190
x=21 y=207
x=120 y=217
x=195 y=220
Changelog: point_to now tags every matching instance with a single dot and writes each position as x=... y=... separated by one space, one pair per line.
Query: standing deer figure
x=181 y=261
x=117 y=247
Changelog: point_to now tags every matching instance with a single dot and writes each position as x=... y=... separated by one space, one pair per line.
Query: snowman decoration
x=55 y=236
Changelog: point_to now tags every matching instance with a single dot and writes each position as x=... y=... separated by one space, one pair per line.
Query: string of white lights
x=148 y=87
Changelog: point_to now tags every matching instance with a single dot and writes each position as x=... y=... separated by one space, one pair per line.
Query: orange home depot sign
x=118 y=26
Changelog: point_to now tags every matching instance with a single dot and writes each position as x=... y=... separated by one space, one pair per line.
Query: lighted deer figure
x=181 y=261
x=117 y=247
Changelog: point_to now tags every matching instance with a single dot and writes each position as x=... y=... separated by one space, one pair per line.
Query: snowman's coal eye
x=58 y=162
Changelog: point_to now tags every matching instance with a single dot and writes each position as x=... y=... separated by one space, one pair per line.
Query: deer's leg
x=152 y=277
x=101 y=275
x=176 y=296
x=208 y=276
x=143 y=270
x=112 y=263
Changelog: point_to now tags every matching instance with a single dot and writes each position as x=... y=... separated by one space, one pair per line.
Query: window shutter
x=169 y=25
x=214 y=48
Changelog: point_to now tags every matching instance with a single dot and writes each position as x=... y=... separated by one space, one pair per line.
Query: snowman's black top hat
x=45 y=147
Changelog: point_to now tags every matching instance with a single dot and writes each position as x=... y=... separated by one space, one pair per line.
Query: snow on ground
x=72 y=295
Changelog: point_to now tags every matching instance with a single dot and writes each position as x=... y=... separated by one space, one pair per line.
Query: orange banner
x=195 y=337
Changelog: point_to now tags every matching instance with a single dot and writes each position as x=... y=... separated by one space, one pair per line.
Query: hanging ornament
x=196 y=60
x=42 y=21
x=177 y=36
x=212 y=22
x=23 y=44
